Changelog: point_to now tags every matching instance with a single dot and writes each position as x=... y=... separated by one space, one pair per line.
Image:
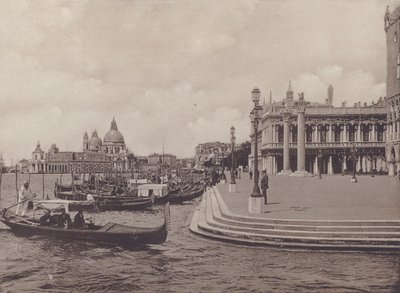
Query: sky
x=175 y=73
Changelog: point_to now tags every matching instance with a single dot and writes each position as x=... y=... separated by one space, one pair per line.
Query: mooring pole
x=16 y=180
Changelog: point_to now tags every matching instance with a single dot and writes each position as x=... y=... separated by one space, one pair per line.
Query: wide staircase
x=212 y=219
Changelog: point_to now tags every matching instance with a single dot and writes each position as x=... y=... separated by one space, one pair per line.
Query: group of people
x=63 y=220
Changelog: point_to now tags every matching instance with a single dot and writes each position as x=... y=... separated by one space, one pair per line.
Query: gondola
x=108 y=203
x=186 y=196
x=138 y=204
x=124 y=235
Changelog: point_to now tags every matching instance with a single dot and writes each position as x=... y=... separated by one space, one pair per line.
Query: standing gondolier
x=23 y=194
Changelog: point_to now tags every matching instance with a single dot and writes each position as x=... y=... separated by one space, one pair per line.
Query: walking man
x=264 y=185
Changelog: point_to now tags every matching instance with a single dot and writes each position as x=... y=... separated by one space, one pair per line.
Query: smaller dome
x=95 y=142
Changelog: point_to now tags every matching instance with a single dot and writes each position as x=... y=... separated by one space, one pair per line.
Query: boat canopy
x=134 y=182
x=147 y=190
x=57 y=205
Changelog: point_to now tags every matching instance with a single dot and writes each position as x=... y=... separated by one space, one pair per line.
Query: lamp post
x=354 y=157
x=232 y=184
x=256 y=201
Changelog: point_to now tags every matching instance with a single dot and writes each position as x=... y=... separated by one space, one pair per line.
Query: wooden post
x=16 y=180
x=43 y=183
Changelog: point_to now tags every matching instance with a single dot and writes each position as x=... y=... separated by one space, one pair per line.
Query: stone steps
x=210 y=220
x=214 y=219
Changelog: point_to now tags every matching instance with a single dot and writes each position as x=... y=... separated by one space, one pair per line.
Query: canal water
x=184 y=263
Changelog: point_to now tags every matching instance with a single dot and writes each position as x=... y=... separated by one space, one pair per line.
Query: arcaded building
x=392 y=29
x=333 y=136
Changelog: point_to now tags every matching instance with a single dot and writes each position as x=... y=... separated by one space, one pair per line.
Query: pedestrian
x=264 y=185
x=23 y=194
x=251 y=174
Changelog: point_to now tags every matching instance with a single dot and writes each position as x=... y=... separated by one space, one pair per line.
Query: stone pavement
x=329 y=198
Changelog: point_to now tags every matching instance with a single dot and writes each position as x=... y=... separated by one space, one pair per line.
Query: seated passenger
x=45 y=219
x=79 y=220
x=63 y=220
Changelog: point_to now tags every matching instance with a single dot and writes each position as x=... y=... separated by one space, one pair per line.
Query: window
x=398 y=66
x=309 y=135
x=280 y=134
x=294 y=135
x=351 y=135
x=365 y=135
x=380 y=134
x=337 y=135
x=323 y=134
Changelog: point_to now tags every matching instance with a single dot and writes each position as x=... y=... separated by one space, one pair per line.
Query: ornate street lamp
x=233 y=140
x=222 y=162
x=232 y=184
x=354 y=157
x=255 y=119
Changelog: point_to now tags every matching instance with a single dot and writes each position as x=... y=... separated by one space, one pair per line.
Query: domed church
x=113 y=145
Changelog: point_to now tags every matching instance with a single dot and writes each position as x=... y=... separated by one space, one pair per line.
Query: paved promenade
x=330 y=198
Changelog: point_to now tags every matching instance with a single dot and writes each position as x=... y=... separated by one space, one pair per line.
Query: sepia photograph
x=199 y=146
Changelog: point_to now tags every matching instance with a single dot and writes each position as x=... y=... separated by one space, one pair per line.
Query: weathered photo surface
x=200 y=146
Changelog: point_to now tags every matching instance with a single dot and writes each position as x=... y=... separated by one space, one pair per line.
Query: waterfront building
x=392 y=29
x=38 y=163
x=97 y=156
x=210 y=150
x=55 y=161
x=332 y=136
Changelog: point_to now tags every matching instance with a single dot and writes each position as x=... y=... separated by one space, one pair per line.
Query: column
x=373 y=133
x=286 y=138
x=315 y=168
x=329 y=133
x=315 y=133
x=301 y=152
x=330 y=167
x=301 y=144
x=345 y=133
x=344 y=163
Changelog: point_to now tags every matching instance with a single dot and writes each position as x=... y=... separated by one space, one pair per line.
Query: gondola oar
x=22 y=201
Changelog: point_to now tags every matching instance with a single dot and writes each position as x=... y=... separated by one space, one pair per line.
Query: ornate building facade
x=210 y=150
x=97 y=156
x=113 y=146
x=392 y=29
x=333 y=136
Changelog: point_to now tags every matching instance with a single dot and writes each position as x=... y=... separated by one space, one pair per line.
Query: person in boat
x=23 y=194
x=79 y=219
x=45 y=219
x=114 y=191
x=62 y=220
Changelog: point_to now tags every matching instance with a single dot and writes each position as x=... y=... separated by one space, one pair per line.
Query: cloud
x=350 y=86
x=178 y=71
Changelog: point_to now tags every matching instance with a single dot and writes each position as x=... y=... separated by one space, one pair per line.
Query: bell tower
x=289 y=92
x=85 y=141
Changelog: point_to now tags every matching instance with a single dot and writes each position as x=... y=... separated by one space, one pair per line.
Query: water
x=184 y=263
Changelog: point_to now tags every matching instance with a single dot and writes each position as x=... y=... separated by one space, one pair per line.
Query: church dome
x=95 y=141
x=114 y=135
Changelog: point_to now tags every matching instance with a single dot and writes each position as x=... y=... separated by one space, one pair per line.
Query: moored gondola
x=186 y=195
